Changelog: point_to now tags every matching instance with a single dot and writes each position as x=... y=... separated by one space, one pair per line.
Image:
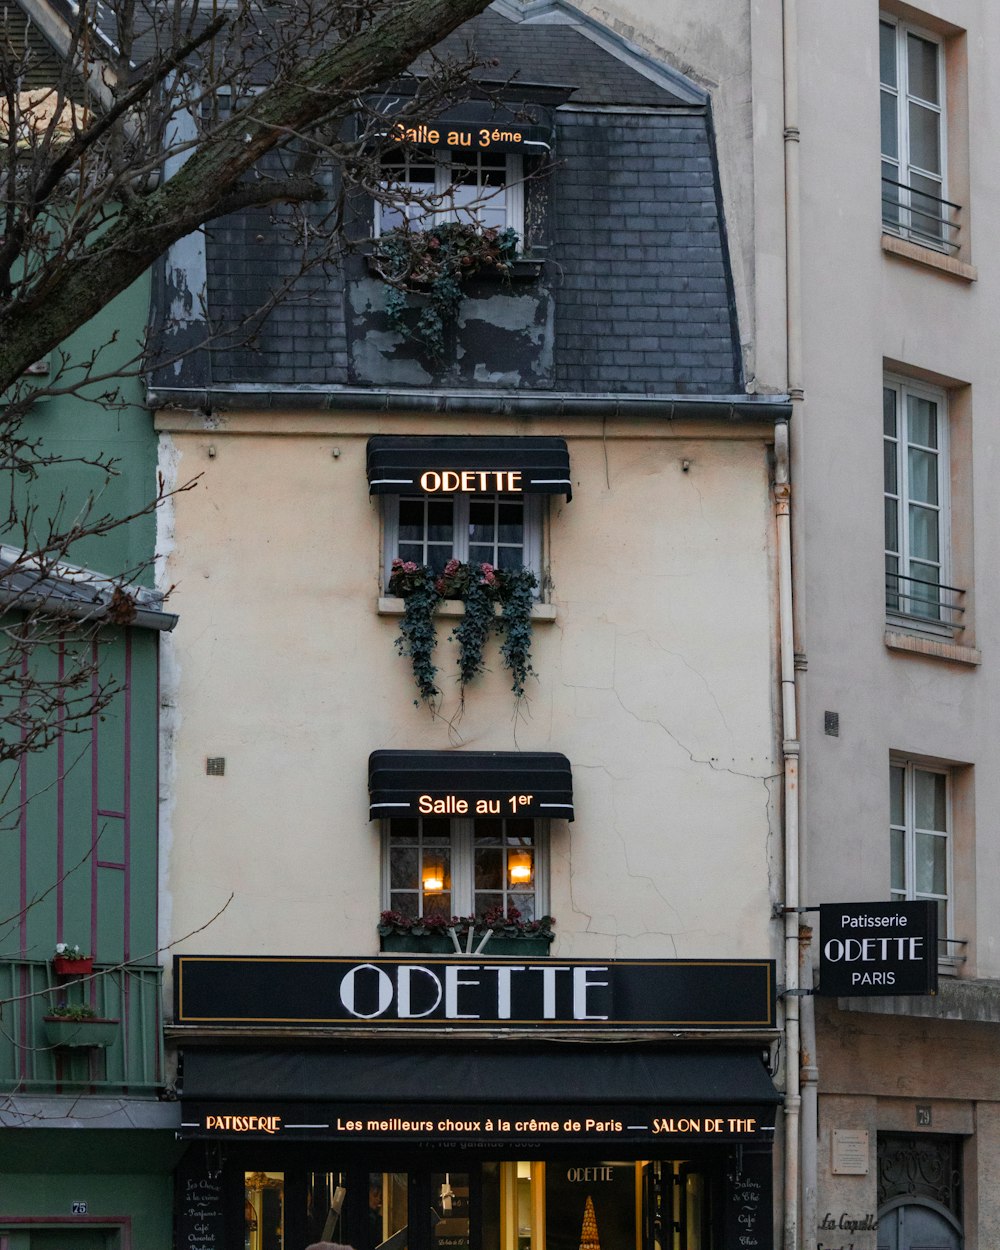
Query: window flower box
x=80 y=1033
x=76 y=966
x=505 y=933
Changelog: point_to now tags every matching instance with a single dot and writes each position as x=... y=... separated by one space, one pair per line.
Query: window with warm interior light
x=439 y=866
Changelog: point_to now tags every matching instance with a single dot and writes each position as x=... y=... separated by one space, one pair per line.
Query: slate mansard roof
x=631 y=292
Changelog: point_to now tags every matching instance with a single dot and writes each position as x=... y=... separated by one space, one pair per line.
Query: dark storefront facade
x=445 y=1120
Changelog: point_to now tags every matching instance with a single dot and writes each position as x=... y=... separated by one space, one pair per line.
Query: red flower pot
x=73 y=967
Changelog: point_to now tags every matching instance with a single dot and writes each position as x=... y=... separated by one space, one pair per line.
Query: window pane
x=407 y=903
x=481 y=521
x=489 y=868
x=437 y=831
x=889 y=465
x=931 y=864
x=403 y=868
x=927 y=214
x=889 y=411
x=923 y=471
x=438 y=904
x=925 y=138
x=488 y=902
x=897 y=873
x=440 y=522
x=411 y=519
x=890 y=126
x=488 y=831
x=922 y=68
x=525 y=904
x=892 y=582
x=887 y=53
x=924 y=534
x=896 y=778
x=890 y=194
x=930 y=797
x=511 y=522
x=891 y=525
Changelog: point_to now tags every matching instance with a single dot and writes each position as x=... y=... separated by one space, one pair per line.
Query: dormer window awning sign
x=535 y=784
x=444 y=464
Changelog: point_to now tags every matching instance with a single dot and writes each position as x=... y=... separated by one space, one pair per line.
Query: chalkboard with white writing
x=749 y=1222
x=200 y=1222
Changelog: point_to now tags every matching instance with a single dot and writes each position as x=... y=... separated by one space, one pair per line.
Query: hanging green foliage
x=434 y=263
x=417 y=587
x=515 y=625
x=481 y=588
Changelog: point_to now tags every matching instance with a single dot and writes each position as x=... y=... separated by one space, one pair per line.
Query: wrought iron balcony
x=133 y=1061
x=927 y=602
x=921 y=217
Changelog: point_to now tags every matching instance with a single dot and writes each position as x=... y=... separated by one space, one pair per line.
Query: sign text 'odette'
x=869 y=949
x=472 y=991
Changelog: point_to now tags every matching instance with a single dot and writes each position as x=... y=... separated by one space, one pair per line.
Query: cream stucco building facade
x=642 y=480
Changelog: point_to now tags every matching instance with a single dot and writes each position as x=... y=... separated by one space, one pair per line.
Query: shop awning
x=455 y=463
x=535 y=784
x=597 y=1094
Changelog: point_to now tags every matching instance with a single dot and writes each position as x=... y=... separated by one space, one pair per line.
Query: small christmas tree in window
x=589 y=1239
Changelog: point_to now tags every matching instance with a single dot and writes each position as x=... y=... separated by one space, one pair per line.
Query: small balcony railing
x=132 y=1063
x=917 y=215
x=927 y=602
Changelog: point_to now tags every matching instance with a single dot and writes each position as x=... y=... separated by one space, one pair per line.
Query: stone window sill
x=935 y=648
x=927 y=256
x=392 y=605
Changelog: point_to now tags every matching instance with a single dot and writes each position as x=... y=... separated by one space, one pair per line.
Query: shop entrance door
x=677 y=1207
x=436 y=1208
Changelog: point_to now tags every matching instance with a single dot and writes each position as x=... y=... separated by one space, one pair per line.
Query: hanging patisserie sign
x=869 y=949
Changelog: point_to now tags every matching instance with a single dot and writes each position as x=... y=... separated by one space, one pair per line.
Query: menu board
x=200 y=1223
x=749 y=1220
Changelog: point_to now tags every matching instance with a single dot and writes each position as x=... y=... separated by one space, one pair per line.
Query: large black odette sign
x=869 y=949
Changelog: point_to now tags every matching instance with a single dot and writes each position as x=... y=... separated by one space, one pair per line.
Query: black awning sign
x=482 y=1124
x=469 y=465
x=532 y=784
x=505 y=136
x=870 y=949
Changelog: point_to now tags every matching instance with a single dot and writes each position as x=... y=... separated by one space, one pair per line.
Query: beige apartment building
x=887 y=278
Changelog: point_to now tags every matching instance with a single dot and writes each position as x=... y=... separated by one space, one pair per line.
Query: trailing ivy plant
x=435 y=263
x=417 y=586
x=515 y=625
x=480 y=587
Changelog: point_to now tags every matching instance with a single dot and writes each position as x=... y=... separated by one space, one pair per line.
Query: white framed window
x=504 y=530
x=913 y=125
x=916 y=475
x=444 y=866
x=431 y=185
x=920 y=826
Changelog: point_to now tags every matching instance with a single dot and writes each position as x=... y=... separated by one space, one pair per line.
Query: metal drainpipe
x=800 y=1031
x=790 y=759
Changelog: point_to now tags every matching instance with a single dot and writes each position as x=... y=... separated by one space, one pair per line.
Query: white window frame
x=463 y=866
x=947 y=622
x=909 y=831
x=534 y=520
x=443 y=159
x=911 y=223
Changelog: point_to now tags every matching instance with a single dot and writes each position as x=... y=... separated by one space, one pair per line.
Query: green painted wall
x=63 y=809
x=84 y=427
x=146 y=1197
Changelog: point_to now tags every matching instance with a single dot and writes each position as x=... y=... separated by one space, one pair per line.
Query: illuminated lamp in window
x=520 y=867
x=433 y=876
